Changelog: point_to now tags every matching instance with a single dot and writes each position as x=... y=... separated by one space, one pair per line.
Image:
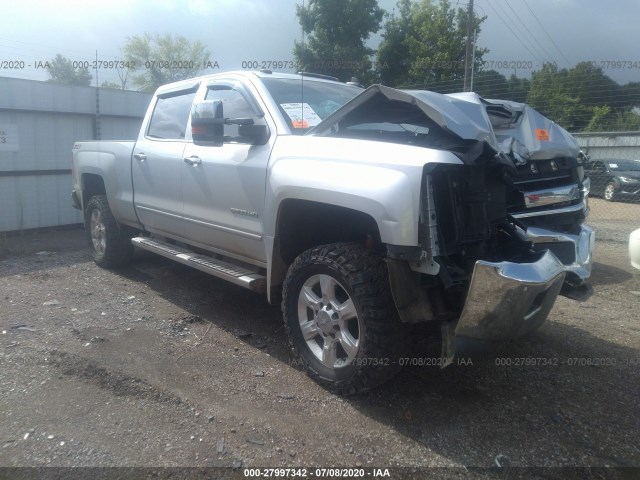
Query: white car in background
x=634 y=248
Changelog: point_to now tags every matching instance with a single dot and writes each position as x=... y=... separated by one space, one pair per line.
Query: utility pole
x=469 y=52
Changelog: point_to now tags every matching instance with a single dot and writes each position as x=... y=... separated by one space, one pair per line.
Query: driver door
x=223 y=187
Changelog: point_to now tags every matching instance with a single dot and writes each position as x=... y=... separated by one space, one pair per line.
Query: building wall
x=39 y=123
x=601 y=146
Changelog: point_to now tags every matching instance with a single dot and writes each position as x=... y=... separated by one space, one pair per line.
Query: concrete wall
x=39 y=123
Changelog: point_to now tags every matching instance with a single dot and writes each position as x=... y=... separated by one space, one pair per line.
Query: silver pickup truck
x=360 y=211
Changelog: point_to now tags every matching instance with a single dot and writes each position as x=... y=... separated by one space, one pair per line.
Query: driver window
x=234 y=105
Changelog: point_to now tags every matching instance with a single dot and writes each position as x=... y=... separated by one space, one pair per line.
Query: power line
x=547 y=34
x=535 y=39
x=521 y=33
x=514 y=33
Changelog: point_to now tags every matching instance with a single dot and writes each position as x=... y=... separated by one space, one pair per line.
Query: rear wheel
x=109 y=245
x=610 y=191
x=341 y=318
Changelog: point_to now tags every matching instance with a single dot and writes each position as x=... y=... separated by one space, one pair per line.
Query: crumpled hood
x=465 y=119
x=528 y=133
x=513 y=128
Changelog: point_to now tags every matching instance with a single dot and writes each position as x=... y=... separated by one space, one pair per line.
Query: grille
x=538 y=174
x=541 y=174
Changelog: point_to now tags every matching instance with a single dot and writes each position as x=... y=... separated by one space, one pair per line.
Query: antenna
x=302 y=76
x=97 y=117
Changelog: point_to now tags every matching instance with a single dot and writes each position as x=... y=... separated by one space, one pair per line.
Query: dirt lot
x=160 y=365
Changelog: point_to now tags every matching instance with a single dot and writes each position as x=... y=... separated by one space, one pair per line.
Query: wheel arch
x=92 y=185
x=304 y=224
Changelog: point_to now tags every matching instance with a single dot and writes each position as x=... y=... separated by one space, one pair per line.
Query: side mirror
x=207 y=122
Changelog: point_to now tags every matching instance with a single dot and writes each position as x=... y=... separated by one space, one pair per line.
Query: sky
x=520 y=34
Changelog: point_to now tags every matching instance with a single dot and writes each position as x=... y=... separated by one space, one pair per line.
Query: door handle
x=193 y=160
x=140 y=156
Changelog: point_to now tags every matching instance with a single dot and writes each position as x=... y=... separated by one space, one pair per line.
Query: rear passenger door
x=157 y=164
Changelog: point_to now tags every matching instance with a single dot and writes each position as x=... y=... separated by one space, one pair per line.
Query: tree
x=337 y=31
x=164 y=59
x=551 y=94
x=61 y=70
x=599 y=119
x=491 y=84
x=424 y=45
x=518 y=88
x=628 y=95
x=582 y=98
x=588 y=83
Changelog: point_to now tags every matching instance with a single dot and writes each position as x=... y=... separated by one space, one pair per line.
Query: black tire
x=610 y=192
x=110 y=246
x=368 y=345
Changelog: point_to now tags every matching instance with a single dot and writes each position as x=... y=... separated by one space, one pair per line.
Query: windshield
x=305 y=103
x=625 y=165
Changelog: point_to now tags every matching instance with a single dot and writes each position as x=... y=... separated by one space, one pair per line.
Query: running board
x=218 y=268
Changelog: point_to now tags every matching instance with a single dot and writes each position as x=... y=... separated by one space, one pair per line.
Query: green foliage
x=628 y=94
x=598 y=119
x=163 y=59
x=424 y=45
x=61 y=71
x=337 y=31
x=605 y=119
x=583 y=98
x=588 y=83
x=551 y=94
x=518 y=89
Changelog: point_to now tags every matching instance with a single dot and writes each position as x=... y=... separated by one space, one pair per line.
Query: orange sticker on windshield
x=300 y=124
x=542 y=134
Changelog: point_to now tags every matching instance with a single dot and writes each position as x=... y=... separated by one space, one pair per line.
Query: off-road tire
x=109 y=244
x=363 y=276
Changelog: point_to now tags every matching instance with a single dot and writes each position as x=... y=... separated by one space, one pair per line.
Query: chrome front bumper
x=508 y=299
x=574 y=251
x=505 y=300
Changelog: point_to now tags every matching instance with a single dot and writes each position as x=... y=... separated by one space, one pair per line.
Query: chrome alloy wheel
x=329 y=321
x=98 y=232
x=609 y=191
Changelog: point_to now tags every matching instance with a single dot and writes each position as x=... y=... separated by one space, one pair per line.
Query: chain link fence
x=614 y=171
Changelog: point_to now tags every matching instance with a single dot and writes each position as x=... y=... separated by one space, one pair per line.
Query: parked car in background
x=614 y=179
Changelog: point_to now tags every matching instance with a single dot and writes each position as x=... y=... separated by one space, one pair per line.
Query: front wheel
x=109 y=246
x=341 y=318
x=610 y=191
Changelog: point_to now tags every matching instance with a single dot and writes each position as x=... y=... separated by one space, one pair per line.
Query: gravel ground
x=157 y=365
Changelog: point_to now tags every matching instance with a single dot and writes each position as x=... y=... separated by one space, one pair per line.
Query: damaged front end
x=475 y=271
x=492 y=285
x=551 y=194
